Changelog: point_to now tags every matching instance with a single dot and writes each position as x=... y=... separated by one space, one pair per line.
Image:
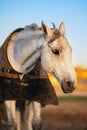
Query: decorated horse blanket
x=34 y=86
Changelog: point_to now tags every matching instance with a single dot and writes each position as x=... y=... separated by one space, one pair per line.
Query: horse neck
x=24 y=50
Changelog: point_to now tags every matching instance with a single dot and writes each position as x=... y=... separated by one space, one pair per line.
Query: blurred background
x=72 y=111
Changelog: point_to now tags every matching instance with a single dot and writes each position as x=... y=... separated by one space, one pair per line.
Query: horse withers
x=23 y=50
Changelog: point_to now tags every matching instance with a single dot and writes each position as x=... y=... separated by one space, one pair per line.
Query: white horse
x=23 y=51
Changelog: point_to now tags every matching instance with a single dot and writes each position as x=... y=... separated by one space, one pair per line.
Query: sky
x=18 y=13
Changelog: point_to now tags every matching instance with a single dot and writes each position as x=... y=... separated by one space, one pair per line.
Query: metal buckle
x=6 y=70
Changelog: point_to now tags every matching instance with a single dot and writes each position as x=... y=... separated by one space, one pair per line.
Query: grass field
x=72 y=98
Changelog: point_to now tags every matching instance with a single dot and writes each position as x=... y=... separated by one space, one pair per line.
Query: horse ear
x=62 y=28
x=46 y=29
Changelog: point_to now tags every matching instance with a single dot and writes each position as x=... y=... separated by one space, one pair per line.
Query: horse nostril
x=69 y=84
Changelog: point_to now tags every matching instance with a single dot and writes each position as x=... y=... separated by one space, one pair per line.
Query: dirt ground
x=66 y=116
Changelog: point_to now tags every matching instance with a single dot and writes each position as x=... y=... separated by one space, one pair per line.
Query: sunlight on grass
x=81 y=73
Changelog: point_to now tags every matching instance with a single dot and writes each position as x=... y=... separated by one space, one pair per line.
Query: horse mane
x=32 y=27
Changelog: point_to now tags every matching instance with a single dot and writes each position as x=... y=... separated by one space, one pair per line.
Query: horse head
x=56 y=57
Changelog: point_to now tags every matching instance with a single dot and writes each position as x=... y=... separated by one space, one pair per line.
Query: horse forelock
x=55 y=35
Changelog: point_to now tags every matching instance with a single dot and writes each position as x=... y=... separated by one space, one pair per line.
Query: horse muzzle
x=68 y=86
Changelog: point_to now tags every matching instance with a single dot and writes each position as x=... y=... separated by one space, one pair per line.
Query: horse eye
x=56 y=52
